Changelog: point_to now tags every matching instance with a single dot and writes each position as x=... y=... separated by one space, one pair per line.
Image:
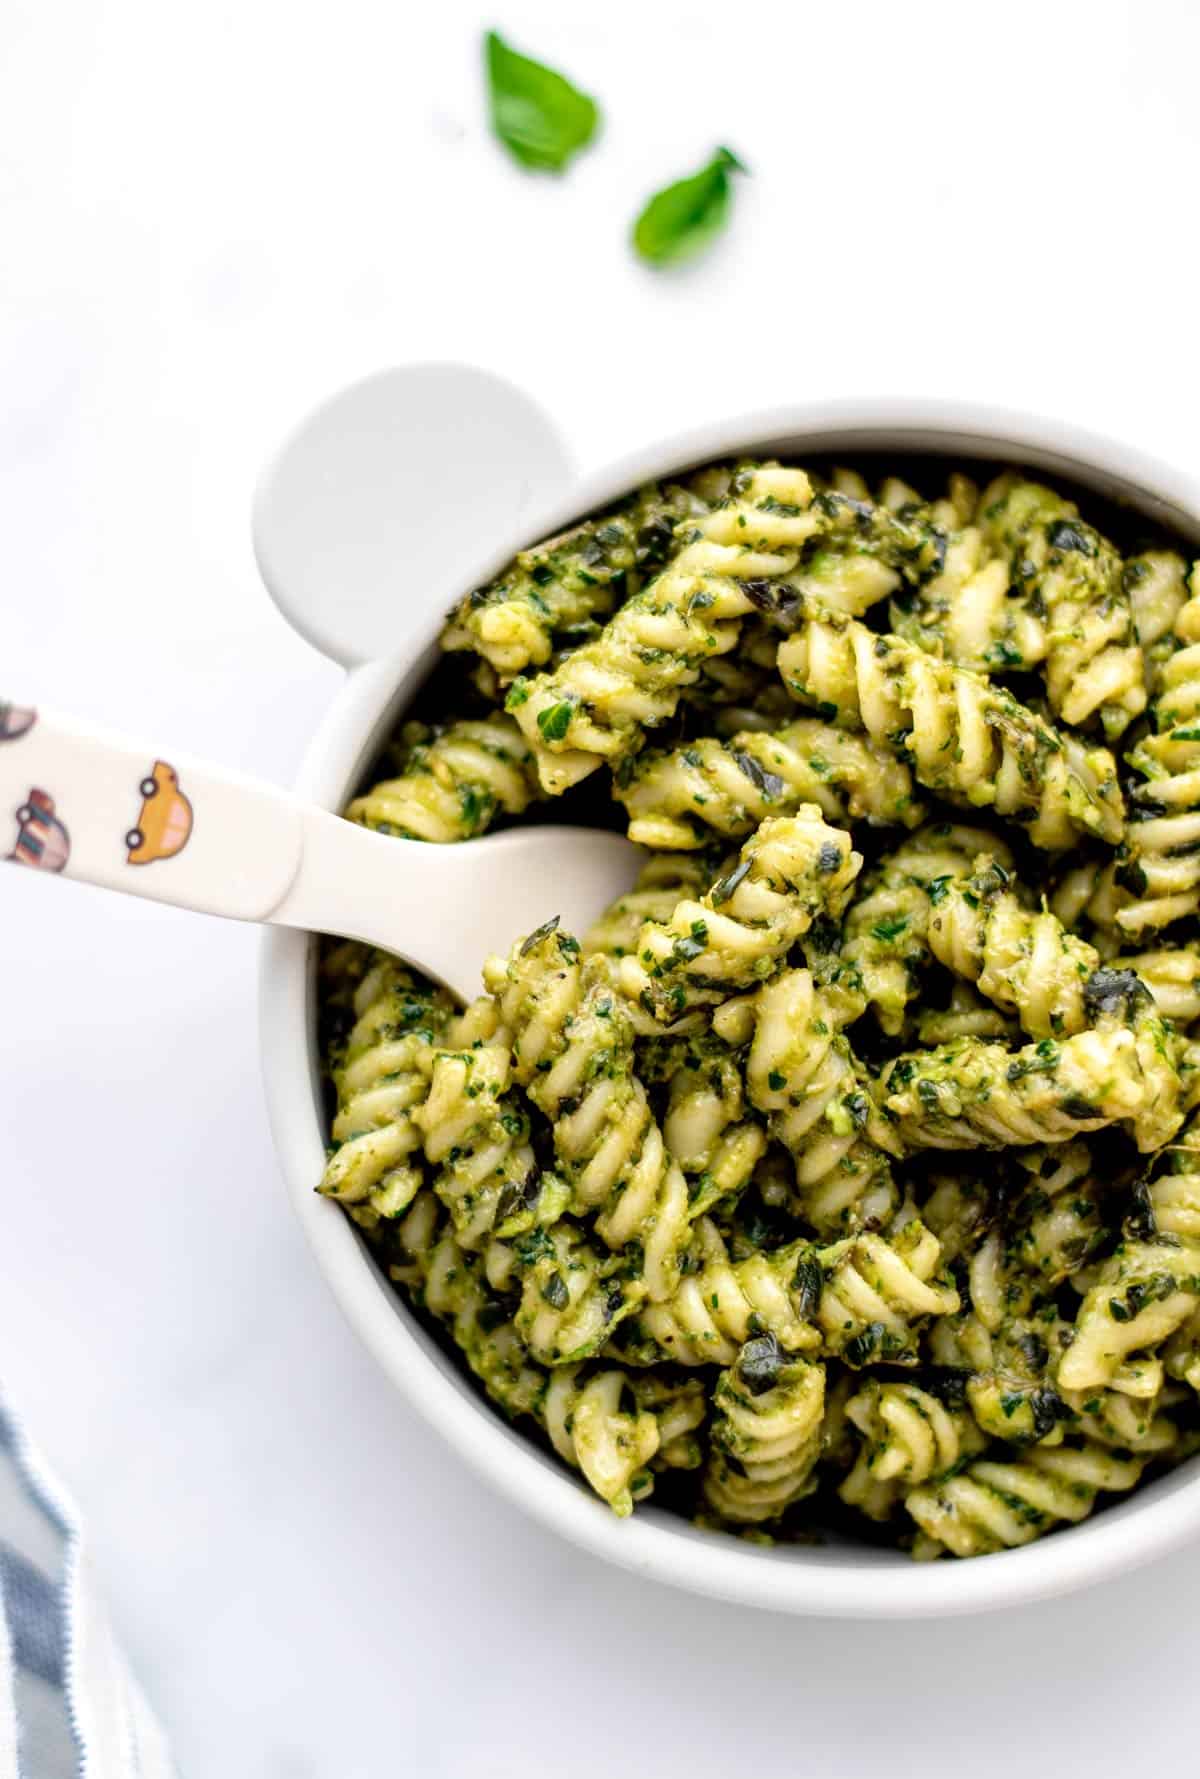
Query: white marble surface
x=210 y=216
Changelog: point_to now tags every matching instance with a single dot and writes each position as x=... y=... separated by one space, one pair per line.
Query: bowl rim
x=842 y=1581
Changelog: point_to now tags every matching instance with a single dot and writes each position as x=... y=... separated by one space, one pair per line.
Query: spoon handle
x=80 y=802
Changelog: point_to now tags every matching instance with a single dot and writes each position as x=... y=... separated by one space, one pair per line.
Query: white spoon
x=82 y=803
x=367 y=524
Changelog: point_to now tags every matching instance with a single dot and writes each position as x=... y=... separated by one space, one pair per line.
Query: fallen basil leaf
x=538 y=115
x=683 y=218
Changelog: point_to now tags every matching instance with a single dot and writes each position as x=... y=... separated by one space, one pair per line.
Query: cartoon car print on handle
x=164 y=826
x=15 y=720
x=42 y=842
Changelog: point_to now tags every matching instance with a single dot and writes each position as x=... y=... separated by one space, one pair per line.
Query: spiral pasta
x=908 y=1436
x=609 y=1424
x=876 y=1291
x=1173 y=977
x=791 y=870
x=1181 y=1353
x=598 y=703
x=740 y=690
x=965 y=1015
x=973 y=1093
x=720 y=1302
x=968 y=612
x=868 y=548
x=1074 y=576
x=1057 y=1216
x=476 y=1135
x=1159 y=863
x=885 y=940
x=1022 y=959
x=766 y=1433
x=1088 y=896
x=375 y=1165
x=998 y=1355
x=993 y=1506
x=1015 y=1390
x=572 y=1297
x=572 y=1046
x=803 y=1076
x=957 y=1207
x=1143 y=1294
x=612 y=1427
x=967 y=739
x=665 y=879
x=706 y=1127
x=589 y=1429
x=1156 y=583
x=454 y=782
x=563 y=586
x=679 y=798
x=965 y=1095
x=1126 y=1423
x=451 y=1284
x=341 y=967
x=1173 y=1193
x=1011 y=1389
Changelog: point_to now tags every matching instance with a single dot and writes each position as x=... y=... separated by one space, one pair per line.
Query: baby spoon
x=79 y=802
x=368 y=522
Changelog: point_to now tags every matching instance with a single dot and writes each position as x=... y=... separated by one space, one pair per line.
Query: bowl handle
x=370 y=518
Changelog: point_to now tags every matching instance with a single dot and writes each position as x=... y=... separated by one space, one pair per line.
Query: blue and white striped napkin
x=69 y=1707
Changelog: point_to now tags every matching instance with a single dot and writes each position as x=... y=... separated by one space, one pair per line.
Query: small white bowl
x=838 y=1579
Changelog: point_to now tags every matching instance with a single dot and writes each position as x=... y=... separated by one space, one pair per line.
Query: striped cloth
x=69 y=1708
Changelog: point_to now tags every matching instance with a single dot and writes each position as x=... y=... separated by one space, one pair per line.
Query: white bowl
x=838 y=1579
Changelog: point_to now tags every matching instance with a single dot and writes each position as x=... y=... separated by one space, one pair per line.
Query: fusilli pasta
x=720 y=1302
x=791 y=870
x=972 y=1093
x=454 y=783
x=563 y=586
x=610 y=1424
x=679 y=798
x=1160 y=860
x=876 y=1292
x=597 y=705
x=908 y=1437
x=966 y=738
x=802 y=1075
x=766 y=1433
x=1073 y=578
x=1023 y=959
x=374 y=1167
x=1143 y=1294
x=664 y=880
x=885 y=943
x=994 y=1505
x=572 y=1048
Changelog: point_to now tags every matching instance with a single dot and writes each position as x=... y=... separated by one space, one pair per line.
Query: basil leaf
x=538 y=115
x=682 y=219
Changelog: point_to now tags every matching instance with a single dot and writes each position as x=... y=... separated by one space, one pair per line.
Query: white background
x=210 y=215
